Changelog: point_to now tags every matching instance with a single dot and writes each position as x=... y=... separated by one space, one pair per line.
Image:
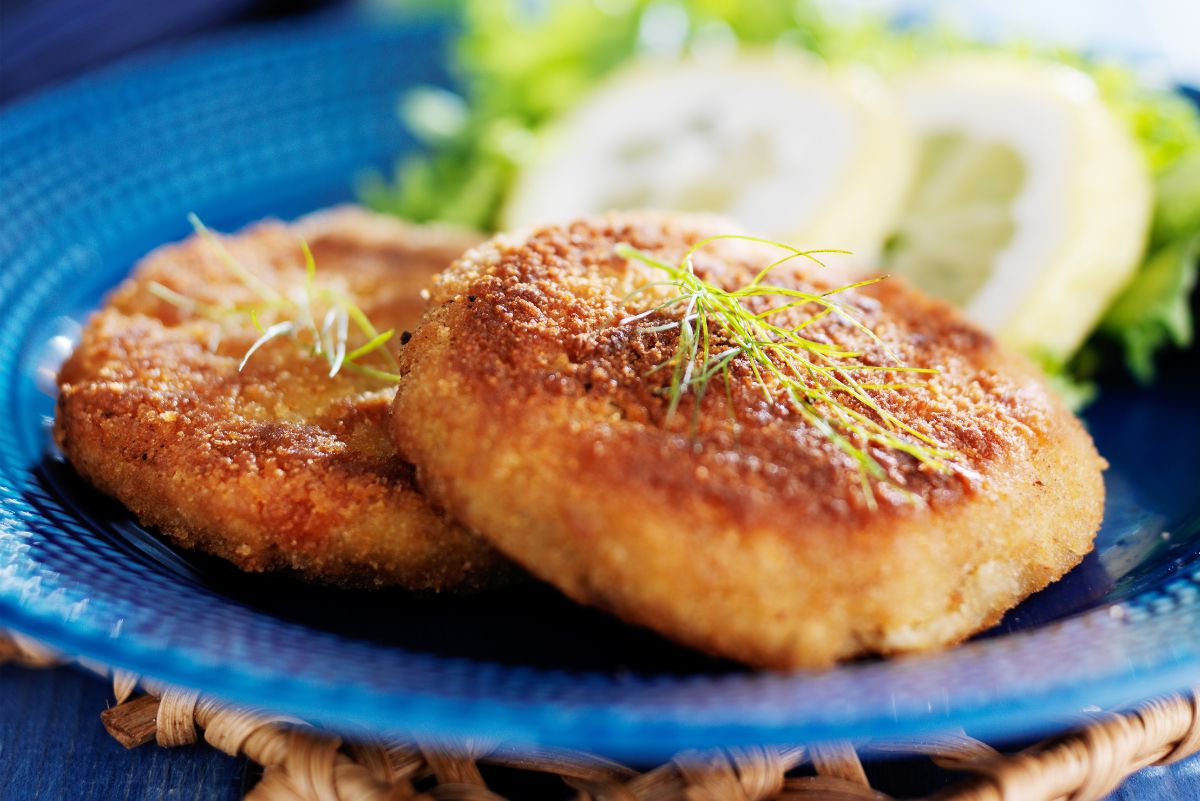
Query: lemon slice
x=1030 y=203
x=783 y=144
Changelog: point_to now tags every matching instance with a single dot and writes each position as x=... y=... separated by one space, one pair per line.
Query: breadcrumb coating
x=279 y=466
x=533 y=416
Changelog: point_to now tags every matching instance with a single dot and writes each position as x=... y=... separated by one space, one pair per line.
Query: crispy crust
x=530 y=413
x=279 y=466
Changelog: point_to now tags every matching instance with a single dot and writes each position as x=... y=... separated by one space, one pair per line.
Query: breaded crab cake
x=278 y=466
x=537 y=412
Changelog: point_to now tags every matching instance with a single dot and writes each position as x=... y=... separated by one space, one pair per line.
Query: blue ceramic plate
x=279 y=122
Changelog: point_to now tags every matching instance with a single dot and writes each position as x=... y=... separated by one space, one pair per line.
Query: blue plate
x=279 y=122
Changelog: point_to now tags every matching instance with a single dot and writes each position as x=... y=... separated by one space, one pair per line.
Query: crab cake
x=278 y=466
x=532 y=410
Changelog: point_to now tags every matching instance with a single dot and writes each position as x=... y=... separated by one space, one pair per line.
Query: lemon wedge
x=794 y=150
x=1030 y=203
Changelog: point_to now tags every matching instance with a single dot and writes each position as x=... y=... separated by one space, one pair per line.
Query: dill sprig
x=818 y=379
x=300 y=307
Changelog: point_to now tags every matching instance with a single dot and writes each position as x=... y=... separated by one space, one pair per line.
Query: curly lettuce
x=520 y=64
x=1154 y=310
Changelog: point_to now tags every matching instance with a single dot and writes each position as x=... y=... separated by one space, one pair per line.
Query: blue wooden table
x=53 y=748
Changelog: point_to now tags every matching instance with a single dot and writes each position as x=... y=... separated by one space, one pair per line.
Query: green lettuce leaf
x=521 y=63
x=1155 y=309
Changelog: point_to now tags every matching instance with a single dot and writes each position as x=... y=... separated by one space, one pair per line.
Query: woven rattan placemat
x=303 y=763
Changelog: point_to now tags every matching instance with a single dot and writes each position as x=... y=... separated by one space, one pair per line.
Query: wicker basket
x=302 y=763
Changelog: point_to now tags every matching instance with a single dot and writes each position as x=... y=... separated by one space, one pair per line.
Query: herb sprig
x=817 y=379
x=300 y=306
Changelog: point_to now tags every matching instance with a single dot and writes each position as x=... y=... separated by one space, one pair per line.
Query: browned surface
x=532 y=417
x=278 y=466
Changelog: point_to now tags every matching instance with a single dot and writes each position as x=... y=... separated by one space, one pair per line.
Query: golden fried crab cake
x=278 y=466
x=532 y=410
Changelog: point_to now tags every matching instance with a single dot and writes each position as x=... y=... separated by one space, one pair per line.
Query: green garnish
x=300 y=306
x=816 y=379
x=521 y=65
x=1154 y=310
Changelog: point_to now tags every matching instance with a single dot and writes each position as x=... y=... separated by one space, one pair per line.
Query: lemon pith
x=1032 y=212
